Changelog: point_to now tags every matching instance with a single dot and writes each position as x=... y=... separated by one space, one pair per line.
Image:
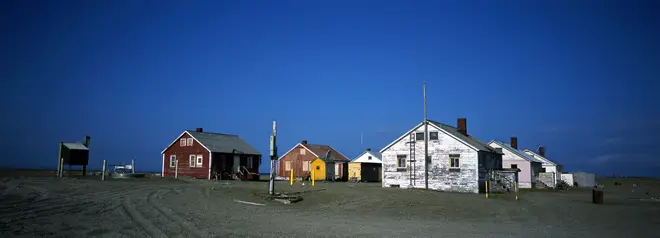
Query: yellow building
x=355 y=171
x=318 y=165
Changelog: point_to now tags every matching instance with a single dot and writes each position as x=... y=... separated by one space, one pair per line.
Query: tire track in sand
x=131 y=211
x=185 y=225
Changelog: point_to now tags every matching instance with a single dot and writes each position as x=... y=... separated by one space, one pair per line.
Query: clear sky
x=581 y=79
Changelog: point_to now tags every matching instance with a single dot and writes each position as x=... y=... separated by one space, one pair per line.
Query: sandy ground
x=161 y=207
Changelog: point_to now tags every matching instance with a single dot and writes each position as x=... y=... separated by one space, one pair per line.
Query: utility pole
x=426 y=144
x=273 y=159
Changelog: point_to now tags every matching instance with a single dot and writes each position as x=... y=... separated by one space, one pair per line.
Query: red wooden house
x=299 y=160
x=207 y=155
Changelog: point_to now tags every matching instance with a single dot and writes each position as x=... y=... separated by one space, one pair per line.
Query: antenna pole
x=426 y=144
x=361 y=138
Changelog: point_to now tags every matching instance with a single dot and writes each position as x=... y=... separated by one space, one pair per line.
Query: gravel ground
x=161 y=207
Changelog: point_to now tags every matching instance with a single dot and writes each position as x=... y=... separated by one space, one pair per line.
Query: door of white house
x=237 y=163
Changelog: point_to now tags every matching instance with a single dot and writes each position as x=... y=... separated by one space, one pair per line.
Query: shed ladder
x=412 y=159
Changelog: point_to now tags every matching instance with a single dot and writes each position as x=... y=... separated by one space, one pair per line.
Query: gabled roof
x=469 y=140
x=539 y=157
x=322 y=150
x=75 y=146
x=219 y=143
x=375 y=155
x=517 y=152
x=223 y=143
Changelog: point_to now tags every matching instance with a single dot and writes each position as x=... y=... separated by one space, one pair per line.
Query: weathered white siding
x=440 y=176
x=568 y=178
x=549 y=166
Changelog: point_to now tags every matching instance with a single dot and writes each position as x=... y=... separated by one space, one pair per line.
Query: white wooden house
x=457 y=161
x=514 y=158
x=548 y=165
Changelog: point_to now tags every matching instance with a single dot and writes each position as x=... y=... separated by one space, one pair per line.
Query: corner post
x=176 y=169
x=59 y=159
x=133 y=166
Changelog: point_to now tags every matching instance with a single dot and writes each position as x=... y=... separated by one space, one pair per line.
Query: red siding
x=183 y=154
x=297 y=165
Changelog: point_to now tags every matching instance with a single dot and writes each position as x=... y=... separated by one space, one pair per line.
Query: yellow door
x=319 y=169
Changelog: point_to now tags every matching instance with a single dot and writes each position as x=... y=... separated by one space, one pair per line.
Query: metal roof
x=224 y=143
x=476 y=143
x=75 y=146
x=321 y=150
x=517 y=152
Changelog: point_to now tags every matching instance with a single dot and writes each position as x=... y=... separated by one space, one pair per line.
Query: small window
x=433 y=135
x=318 y=167
x=182 y=142
x=369 y=158
x=305 y=166
x=190 y=141
x=287 y=165
x=250 y=162
x=303 y=151
x=401 y=161
x=200 y=161
x=514 y=166
x=542 y=170
x=454 y=161
x=191 y=161
x=419 y=136
x=172 y=161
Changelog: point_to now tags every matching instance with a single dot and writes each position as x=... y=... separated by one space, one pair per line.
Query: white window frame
x=287 y=165
x=191 y=161
x=458 y=161
x=418 y=139
x=306 y=166
x=173 y=161
x=200 y=161
x=437 y=135
x=189 y=141
x=250 y=162
x=182 y=142
x=405 y=162
x=303 y=151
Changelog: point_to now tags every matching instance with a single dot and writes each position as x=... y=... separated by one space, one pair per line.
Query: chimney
x=542 y=151
x=304 y=142
x=86 y=141
x=199 y=129
x=462 y=126
x=368 y=149
x=514 y=142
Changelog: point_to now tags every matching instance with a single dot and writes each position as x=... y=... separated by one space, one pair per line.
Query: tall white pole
x=426 y=144
x=103 y=170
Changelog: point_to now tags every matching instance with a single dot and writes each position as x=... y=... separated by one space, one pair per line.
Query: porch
x=235 y=166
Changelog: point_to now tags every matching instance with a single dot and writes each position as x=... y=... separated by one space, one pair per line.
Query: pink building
x=529 y=166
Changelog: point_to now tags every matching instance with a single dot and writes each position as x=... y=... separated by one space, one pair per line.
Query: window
x=433 y=135
x=305 y=166
x=182 y=142
x=542 y=170
x=172 y=161
x=191 y=161
x=303 y=151
x=287 y=165
x=318 y=167
x=454 y=161
x=401 y=161
x=369 y=158
x=419 y=136
x=189 y=141
x=514 y=166
x=250 y=162
x=200 y=161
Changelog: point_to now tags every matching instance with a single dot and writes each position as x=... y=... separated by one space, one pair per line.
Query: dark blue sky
x=582 y=79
